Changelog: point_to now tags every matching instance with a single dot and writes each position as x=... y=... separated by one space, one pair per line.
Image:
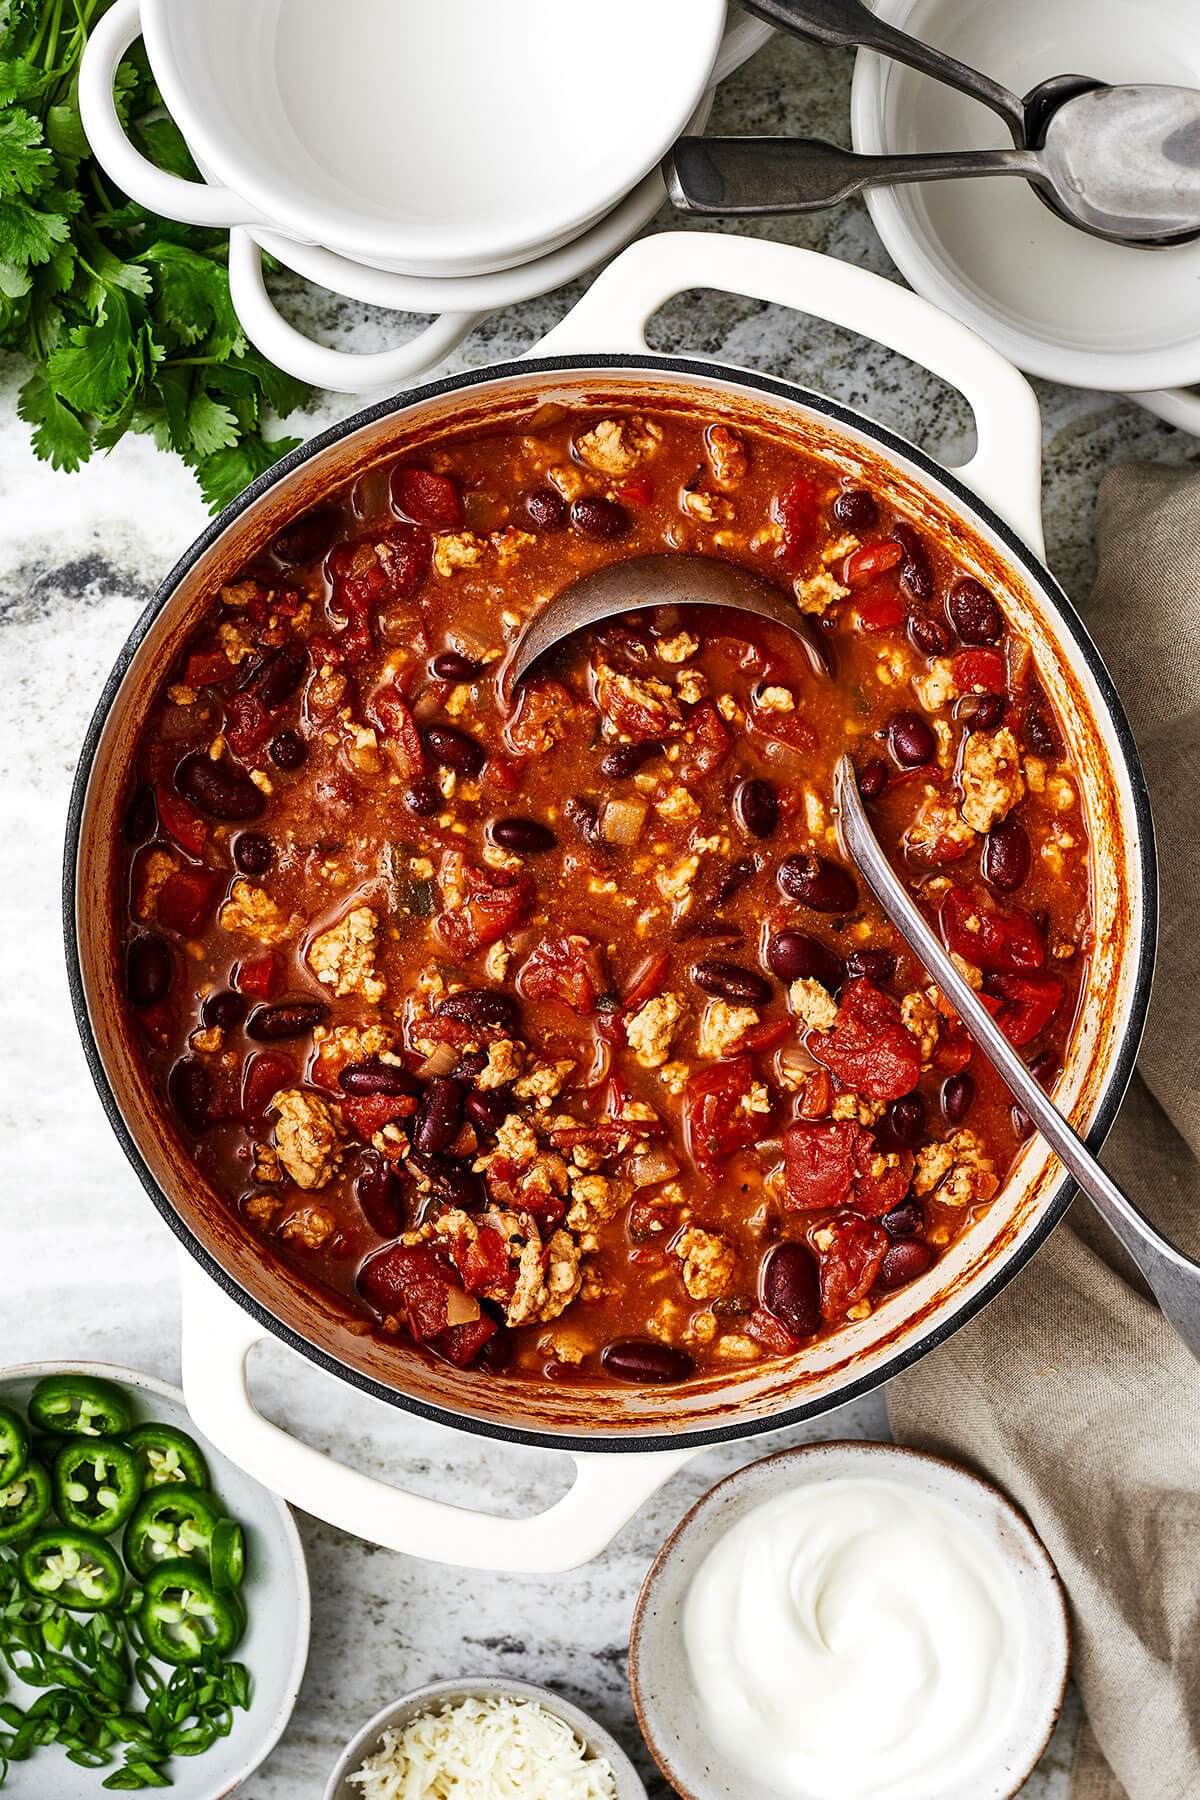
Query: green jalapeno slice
x=76 y=1568
x=168 y=1455
x=97 y=1484
x=79 y=1406
x=227 y=1555
x=24 y=1503
x=14 y=1445
x=182 y=1615
x=169 y=1524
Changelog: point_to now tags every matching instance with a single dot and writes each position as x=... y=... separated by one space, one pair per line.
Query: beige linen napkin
x=1070 y=1390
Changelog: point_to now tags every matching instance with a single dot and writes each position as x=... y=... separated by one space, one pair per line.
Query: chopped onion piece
x=795 y=1061
x=440 y=1061
x=622 y=820
x=461 y=1309
x=648 y=1167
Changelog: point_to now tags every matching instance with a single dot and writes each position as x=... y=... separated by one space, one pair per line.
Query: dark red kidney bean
x=903 y=1262
x=873 y=778
x=1006 y=855
x=627 y=759
x=794 y=956
x=527 y=837
x=286 y=1019
x=905 y=1119
x=225 y=1008
x=596 y=517
x=279 y=675
x=729 y=981
x=374 y=1077
x=220 y=792
x=584 y=815
x=454 y=749
x=734 y=877
x=984 y=711
x=480 y=1007
x=791 y=1290
x=645 y=1359
x=288 y=750
x=957 y=1097
x=927 y=635
x=452 y=665
x=856 y=509
x=423 y=797
x=904 y=1221
x=307 y=537
x=545 y=509
x=451 y=1181
x=755 y=807
x=871 y=965
x=1043 y=1068
x=439 y=1116
x=140 y=815
x=973 y=613
x=147 y=969
x=911 y=740
x=496 y=1354
x=916 y=571
x=189 y=1089
x=380 y=1193
x=487 y=1108
x=252 y=852
x=470 y=1066
x=817 y=882
x=1038 y=729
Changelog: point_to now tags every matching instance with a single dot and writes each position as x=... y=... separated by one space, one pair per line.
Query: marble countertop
x=91 y=1271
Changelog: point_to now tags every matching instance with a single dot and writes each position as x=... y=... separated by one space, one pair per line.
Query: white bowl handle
x=344 y=371
x=218 y=1337
x=1006 y=468
x=1178 y=406
x=172 y=196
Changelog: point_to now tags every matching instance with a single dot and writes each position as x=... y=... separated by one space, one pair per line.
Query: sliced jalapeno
x=14 y=1445
x=182 y=1614
x=79 y=1406
x=24 y=1503
x=76 y=1568
x=168 y=1455
x=97 y=1484
x=227 y=1555
x=170 y=1523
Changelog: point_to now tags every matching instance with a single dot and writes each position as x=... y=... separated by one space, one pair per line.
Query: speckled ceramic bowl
x=440 y=1694
x=666 y=1703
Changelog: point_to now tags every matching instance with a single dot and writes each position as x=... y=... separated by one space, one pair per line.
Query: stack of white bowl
x=438 y=157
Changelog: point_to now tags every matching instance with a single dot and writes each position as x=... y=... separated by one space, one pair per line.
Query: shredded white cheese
x=493 y=1749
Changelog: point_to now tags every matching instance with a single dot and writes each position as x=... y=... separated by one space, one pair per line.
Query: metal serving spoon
x=1174 y=1279
x=649 y=581
x=1122 y=162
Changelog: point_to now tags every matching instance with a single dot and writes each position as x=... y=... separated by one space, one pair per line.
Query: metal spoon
x=1173 y=1278
x=1123 y=162
x=667 y=580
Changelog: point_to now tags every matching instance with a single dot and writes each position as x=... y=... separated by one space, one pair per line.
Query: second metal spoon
x=1173 y=1278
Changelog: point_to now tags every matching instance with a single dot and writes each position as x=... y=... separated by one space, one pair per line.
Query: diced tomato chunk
x=706 y=744
x=636 y=708
x=819 y=1162
x=410 y=1282
x=485 y=1262
x=716 y=1117
x=796 y=509
x=647 y=981
x=494 y=904
x=980 y=671
x=976 y=931
x=427 y=499
x=204 y=668
x=263 y=1076
x=849 y=1265
x=248 y=723
x=868 y=1048
x=766 y=1330
x=461 y=1344
x=955 y=1048
x=179 y=820
x=869 y=561
x=366 y=1114
x=185 y=900
x=879 y=608
x=543 y=715
x=1027 y=1004
x=816 y=1096
x=257 y=976
x=567 y=968
x=391 y=714
x=638 y=490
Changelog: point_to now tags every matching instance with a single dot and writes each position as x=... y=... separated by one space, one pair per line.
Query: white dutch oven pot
x=624 y=1441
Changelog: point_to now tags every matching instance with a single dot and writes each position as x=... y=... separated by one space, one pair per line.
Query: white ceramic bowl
x=1059 y=303
x=440 y=1694
x=663 y=1694
x=274 y=1649
x=442 y=139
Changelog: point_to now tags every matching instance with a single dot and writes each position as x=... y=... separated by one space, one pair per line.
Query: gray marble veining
x=88 y=1268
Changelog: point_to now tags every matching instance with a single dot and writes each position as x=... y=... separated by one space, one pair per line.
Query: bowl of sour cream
x=850 y=1621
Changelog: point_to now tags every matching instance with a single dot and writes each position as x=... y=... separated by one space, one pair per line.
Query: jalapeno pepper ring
x=170 y=1523
x=227 y=1555
x=76 y=1568
x=97 y=1484
x=14 y=1445
x=24 y=1503
x=168 y=1455
x=79 y=1406
x=182 y=1615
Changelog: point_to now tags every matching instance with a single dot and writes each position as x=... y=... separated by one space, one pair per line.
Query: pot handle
x=218 y=1337
x=1005 y=470
x=1179 y=406
x=172 y=196
x=343 y=371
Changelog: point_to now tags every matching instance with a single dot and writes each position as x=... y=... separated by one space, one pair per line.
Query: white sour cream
x=855 y=1640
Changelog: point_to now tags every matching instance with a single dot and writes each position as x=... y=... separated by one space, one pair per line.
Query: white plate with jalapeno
x=154 y=1600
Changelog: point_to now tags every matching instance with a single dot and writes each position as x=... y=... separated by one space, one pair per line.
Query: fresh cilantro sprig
x=125 y=317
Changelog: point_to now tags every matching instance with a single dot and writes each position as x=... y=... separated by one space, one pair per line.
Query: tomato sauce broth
x=551 y=1029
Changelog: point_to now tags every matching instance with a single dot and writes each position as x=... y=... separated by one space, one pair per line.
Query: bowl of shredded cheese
x=483 y=1740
